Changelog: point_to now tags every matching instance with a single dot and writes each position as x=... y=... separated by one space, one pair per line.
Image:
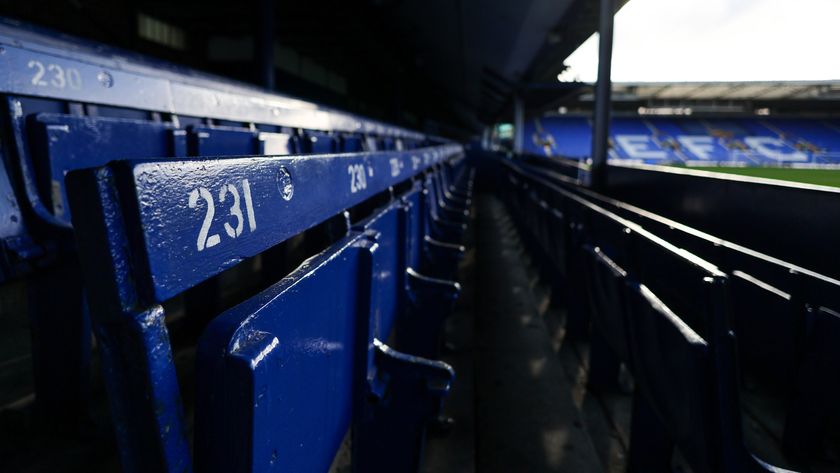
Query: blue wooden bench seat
x=149 y=233
x=97 y=104
x=182 y=265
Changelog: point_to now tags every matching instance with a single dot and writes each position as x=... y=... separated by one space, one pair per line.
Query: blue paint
x=113 y=77
x=169 y=228
x=275 y=374
x=283 y=375
x=125 y=143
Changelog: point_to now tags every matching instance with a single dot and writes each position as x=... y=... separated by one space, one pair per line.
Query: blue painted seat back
x=362 y=281
x=416 y=216
x=319 y=143
x=683 y=360
x=388 y=144
x=276 y=373
x=440 y=224
x=222 y=141
x=676 y=277
x=606 y=290
x=813 y=400
x=388 y=230
x=549 y=227
x=208 y=141
x=62 y=143
x=769 y=326
x=557 y=239
x=608 y=234
x=672 y=368
x=554 y=225
x=351 y=144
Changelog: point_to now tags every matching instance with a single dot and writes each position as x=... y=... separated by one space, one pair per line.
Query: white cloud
x=718 y=40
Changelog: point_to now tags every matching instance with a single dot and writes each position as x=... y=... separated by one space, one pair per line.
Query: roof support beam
x=602 y=96
x=518 y=124
x=265 y=44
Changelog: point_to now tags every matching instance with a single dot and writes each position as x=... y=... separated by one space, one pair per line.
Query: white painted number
x=39 y=73
x=59 y=77
x=396 y=166
x=358 y=180
x=74 y=79
x=235 y=210
x=203 y=240
x=249 y=205
x=233 y=231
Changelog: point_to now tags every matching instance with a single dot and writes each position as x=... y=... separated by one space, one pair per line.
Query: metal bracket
x=405 y=393
x=430 y=301
x=441 y=258
x=442 y=229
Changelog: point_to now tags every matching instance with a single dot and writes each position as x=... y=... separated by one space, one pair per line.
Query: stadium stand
x=125 y=233
x=191 y=231
x=642 y=268
x=694 y=141
x=219 y=278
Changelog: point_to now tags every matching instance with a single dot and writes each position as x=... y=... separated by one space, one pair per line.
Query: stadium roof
x=789 y=97
x=793 y=90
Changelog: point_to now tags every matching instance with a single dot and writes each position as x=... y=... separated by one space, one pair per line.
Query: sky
x=718 y=40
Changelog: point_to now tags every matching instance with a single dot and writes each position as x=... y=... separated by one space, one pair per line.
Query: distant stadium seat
x=605 y=286
x=692 y=141
x=318 y=143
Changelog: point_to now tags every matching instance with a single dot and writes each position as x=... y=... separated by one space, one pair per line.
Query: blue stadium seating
x=776 y=309
x=305 y=260
x=571 y=138
x=157 y=187
x=138 y=247
x=661 y=310
x=692 y=141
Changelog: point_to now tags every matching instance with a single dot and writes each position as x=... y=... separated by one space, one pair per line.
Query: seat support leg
x=405 y=393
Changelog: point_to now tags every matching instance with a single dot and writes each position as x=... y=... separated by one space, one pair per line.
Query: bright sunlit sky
x=718 y=40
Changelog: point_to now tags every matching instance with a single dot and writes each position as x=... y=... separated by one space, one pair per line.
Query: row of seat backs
x=784 y=343
x=783 y=335
x=661 y=309
x=119 y=109
x=262 y=403
x=780 y=311
x=52 y=138
x=255 y=392
x=54 y=73
x=777 y=305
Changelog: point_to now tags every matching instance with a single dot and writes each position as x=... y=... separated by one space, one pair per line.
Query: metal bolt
x=106 y=79
x=284 y=183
